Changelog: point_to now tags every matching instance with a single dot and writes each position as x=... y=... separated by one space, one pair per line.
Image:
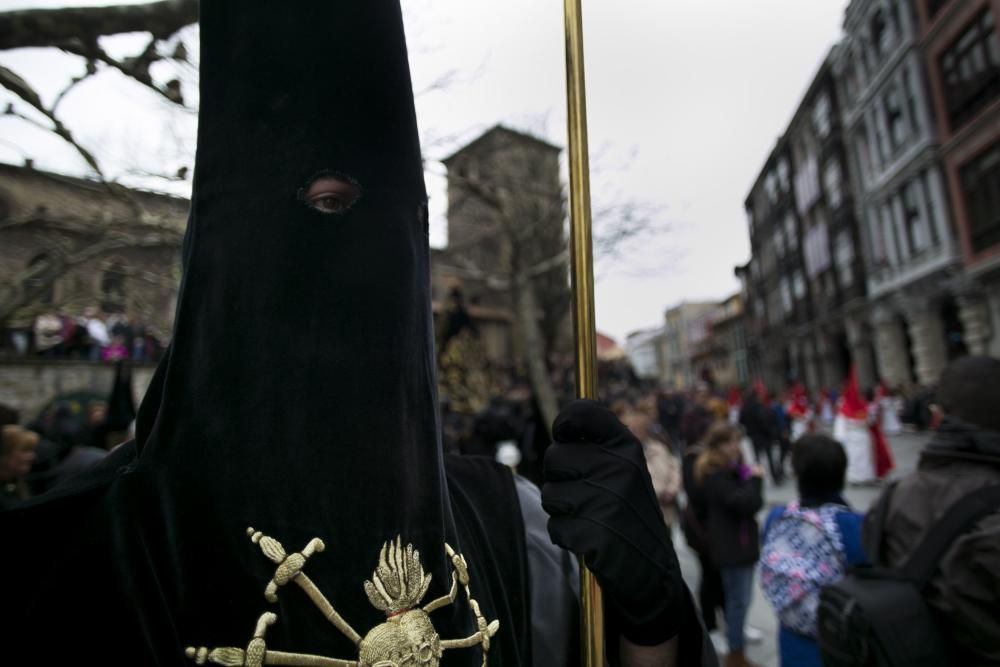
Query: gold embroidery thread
x=398 y=584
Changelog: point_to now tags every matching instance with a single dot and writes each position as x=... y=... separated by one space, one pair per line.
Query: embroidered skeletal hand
x=398 y=584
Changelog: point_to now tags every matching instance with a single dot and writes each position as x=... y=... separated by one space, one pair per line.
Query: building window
x=877 y=237
x=894 y=248
x=821 y=116
x=833 y=183
x=844 y=259
x=779 y=242
x=817 y=252
x=771 y=187
x=807 y=183
x=786 y=295
x=881 y=34
x=45 y=295
x=980 y=179
x=910 y=91
x=864 y=154
x=932 y=225
x=916 y=226
x=783 y=182
x=113 y=288
x=970 y=68
x=894 y=120
x=791 y=234
x=798 y=286
x=881 y=137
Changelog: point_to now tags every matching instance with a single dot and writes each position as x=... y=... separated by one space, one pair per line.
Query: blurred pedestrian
x=17 y=453
x=48 y=335
x=694 y=518
x=664 y=468
x=734 y=494
x=808 y=544
x=735 y=401
x=697 y=417
x=670 y=410
x=961 y=458
x=799 y=412
x=760 y=426
x=116 y=350
x=851 y=427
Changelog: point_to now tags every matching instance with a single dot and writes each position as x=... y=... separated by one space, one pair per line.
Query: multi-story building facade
x=720 y=355
x=684 y=325
x=644 y=350
x=835 y=337
x=779 y=299
x=961 y=46
x=910 y=249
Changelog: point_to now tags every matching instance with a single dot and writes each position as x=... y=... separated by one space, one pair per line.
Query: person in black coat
x=693 y=521
x=733 y=494
x=761 y=428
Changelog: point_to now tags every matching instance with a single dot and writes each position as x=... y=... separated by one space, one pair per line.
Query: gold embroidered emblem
x=398 y=584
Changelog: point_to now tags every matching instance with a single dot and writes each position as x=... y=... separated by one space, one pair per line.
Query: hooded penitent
x=851 y=429
x=296 y=409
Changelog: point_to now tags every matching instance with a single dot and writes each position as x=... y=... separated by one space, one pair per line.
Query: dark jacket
x=758 y=422
x=695 y=421
x=959 y=459
x=696 y=510
x=732 y=529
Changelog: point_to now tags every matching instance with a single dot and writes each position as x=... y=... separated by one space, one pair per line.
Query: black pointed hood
x=298 y=396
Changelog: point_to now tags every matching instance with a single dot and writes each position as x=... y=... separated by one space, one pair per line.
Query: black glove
x=601 y=506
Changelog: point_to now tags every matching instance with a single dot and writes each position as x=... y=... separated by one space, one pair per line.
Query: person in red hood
x=799 y=411
x=735 y=401
x=868 y=454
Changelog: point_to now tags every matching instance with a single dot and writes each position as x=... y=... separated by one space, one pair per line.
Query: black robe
x=297 y=400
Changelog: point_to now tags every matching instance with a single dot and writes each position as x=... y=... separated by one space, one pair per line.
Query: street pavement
x=906 y=449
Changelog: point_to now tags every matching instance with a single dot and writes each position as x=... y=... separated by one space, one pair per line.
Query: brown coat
x=966 y=590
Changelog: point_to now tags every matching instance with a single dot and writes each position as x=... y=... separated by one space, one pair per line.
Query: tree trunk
x=535 y=353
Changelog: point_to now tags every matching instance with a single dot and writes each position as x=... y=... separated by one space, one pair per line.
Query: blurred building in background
x=684 y=326
x=961 y=49
x=644 y=350
x=504 y=213
x=720 y=354
x=875 y=221
x=68 y=244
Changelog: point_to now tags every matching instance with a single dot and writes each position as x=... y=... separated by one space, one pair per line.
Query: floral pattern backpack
x=803 y=551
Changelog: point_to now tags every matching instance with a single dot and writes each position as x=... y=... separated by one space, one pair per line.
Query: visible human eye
x=330 y=194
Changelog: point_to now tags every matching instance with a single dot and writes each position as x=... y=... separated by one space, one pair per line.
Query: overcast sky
x=685 y=99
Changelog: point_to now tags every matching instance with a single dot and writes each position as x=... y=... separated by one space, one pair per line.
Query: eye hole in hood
x=330 y=193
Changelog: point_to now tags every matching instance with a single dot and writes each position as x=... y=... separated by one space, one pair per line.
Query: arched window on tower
x=38 y=282
x=113 y=288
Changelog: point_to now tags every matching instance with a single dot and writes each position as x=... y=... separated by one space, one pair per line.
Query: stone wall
x=29 y=384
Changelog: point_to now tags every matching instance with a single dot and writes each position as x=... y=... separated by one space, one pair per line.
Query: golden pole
x=591 y=608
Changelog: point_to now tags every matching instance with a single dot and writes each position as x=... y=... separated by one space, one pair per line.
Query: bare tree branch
x=20 y=87
x=91 y=70
x=75 y=25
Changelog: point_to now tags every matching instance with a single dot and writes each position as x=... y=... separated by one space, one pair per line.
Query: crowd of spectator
x=93 y=335
x=708 y=454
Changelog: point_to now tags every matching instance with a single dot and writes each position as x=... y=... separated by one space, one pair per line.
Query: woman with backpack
x=733 y=494
x=809 y=544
